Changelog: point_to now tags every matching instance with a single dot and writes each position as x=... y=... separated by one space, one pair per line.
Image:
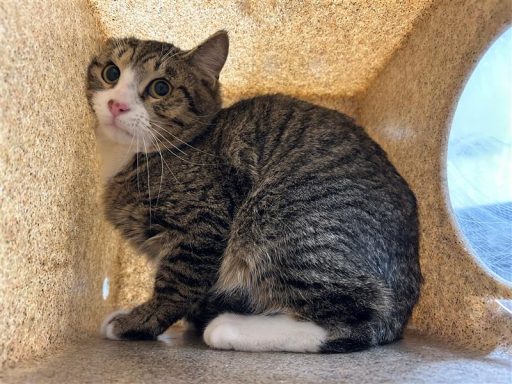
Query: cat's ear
x=210 y=55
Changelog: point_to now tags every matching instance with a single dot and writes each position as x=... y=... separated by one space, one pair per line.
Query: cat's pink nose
x=117 y=108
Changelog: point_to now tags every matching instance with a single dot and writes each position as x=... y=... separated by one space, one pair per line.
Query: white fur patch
x=114 y=157
x=119 y=141
x=259 y=333
x=107 y=327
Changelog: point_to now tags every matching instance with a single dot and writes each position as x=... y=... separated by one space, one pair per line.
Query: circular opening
x=480 y=159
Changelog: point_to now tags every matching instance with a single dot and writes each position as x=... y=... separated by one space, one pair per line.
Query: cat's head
x=146 y=92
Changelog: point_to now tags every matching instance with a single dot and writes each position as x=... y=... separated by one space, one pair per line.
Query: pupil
x=161 y=88
x=113 y=73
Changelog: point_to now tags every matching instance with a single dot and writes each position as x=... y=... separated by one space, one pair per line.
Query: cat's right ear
x=210 y=55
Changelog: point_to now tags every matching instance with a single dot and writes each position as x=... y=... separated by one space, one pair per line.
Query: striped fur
x=273 y=206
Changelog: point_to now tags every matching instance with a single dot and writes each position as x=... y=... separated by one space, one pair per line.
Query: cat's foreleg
x=144 y=322
x=183 y=277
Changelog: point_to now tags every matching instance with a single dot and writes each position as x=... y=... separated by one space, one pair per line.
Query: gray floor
x=184 y=359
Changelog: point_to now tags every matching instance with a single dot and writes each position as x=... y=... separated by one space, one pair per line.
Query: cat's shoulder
x=280 y=103
x=272 y=101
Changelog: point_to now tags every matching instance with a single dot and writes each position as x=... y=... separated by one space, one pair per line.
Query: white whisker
x=146 y=129
x=161 y=162
x=149 y=186
x=137 y=157
x=176 y=155
x=130 y=147
x=180 y=140
x=183 y=152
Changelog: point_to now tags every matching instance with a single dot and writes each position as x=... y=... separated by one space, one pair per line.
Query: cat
x=275 y=224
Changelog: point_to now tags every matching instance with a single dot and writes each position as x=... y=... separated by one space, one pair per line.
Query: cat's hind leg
x=332 y=322
x=342 y=288
x=259 y=333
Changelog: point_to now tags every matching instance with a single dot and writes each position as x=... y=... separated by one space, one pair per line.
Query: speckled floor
x=182 y=358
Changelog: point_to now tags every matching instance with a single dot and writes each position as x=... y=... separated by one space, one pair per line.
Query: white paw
x=107 y=324
x=222 y=332
x=259 y=333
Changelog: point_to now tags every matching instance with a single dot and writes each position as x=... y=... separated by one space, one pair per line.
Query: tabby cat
x=275 y=224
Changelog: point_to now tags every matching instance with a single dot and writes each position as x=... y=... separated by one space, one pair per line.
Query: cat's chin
x=115 y=151
x=118 y=129
x=115 y=134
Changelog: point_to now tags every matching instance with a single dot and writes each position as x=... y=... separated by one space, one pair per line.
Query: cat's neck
x=114 y=157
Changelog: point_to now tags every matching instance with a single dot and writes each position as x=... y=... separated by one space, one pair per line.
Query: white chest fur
x=114 y=157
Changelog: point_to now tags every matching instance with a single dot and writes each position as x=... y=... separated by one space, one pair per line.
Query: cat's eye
x=111 y=73
x=159 y=88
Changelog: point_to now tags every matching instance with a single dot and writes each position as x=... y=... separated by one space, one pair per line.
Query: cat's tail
x=352 y=338
x=344 y=345
x=369 y=316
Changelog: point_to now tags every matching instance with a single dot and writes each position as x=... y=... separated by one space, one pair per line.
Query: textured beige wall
x=408 y=110
x=55 y=248
x=302 y=48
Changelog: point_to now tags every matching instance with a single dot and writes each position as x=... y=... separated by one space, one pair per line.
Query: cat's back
x=277 y=113
x=295 y=148
x=278 y=132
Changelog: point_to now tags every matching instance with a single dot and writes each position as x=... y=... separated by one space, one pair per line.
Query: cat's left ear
x=210 y=55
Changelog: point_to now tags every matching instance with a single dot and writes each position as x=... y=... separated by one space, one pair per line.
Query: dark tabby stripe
x=191 y=104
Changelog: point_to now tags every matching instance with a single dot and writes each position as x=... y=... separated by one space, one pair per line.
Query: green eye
x=159 y=88
x=111 y=73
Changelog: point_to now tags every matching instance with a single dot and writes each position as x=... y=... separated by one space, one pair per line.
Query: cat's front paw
x=144 y=322
x=109 y=323
x=136 y=324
